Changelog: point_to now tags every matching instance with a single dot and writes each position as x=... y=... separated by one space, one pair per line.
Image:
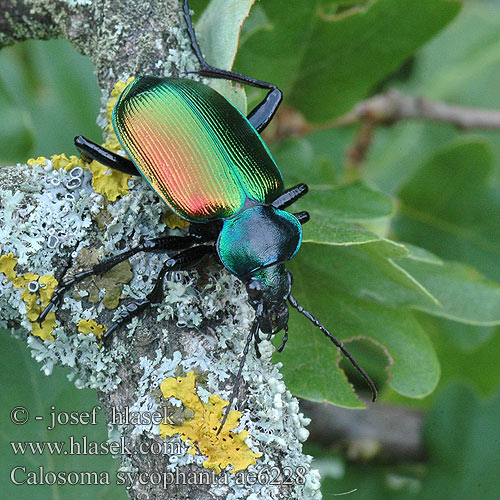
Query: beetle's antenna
x=236 y=386
x=345 y=352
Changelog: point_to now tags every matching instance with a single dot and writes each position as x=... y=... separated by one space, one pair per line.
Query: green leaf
x=354 y=202
x=330 y=284
x=302 y=160
x=449 y=207
x=51 y=102
x=218 y=32
x=368 y=291
x=452 y=290
x=331 y=62
x=338 y=212
x=466 y=454
x=463 y=294
x=16 y=136
x=335 y=210
x=468 y=356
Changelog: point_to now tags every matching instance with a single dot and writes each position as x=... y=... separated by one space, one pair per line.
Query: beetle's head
x=254 y=245
x=269 y=288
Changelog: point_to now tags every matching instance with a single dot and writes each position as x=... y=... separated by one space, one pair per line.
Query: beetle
x=209 y=164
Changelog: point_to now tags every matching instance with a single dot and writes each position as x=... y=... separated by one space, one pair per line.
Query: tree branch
x=386 y=432
x=122 y=38
x=54 y=223
x=394 y=106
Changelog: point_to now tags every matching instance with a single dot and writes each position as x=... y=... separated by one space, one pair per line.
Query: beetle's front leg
x=180 y=262
x=257 y=341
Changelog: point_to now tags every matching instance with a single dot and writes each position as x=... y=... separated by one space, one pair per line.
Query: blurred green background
x=326 y=56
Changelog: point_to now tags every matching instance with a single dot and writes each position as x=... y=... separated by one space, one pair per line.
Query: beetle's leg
x=257 y=341
x=206 y=231
x=181 y=261
x=263 y=113
x=285 y=338
x=302 y=217
x=162 y=244
x=290 y=196
x=236 y=386
x=104 y=156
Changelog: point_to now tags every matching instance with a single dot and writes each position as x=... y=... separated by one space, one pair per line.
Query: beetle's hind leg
x=263 y=113
x=104 y=156
x=181 y=261
x=162 y=244
x=257 y=341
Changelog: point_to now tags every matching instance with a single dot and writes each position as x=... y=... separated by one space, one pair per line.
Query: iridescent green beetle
x=208 y=163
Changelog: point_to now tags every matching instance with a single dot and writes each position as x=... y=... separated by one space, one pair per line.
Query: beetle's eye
x=254 y=289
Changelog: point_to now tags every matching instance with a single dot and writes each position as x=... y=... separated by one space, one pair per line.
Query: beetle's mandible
x=208 y=163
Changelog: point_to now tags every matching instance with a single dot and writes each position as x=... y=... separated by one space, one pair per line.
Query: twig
x=393 y=106
x=383 y=432
x=357 y=152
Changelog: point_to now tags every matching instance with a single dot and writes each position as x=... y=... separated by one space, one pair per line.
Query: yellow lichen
x=112 y=281
x=90 y=326
x=59 y=161
x=62 y=161
x=173 y=221
x=108 y=182
x=35 y=301
x=41 y=160
x=7 y=264
x=227 y=448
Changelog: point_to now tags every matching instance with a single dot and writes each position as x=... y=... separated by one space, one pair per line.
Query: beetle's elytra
x=208 y=163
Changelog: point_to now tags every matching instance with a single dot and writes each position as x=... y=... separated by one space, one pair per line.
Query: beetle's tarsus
x=234 y=394
x=257 y=341
x=133 y=309
x=181 y=261
x=44 y=313
x=285 y=338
